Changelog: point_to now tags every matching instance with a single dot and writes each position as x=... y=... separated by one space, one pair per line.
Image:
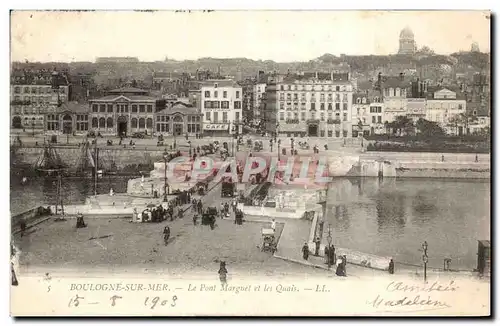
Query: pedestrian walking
x=317 y=243
x=391 y=267
x=305 y=251
x=273 y=225
x=195 y=219
x=442 y=158
x=477 y=160
x=223 y=273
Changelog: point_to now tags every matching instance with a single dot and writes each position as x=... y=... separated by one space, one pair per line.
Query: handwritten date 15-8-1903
x=150 y=302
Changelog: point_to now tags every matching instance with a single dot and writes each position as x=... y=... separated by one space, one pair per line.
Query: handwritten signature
x=435 y=287
x=408 y=302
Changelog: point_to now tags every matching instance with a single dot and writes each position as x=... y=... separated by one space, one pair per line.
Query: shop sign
x=216 y=127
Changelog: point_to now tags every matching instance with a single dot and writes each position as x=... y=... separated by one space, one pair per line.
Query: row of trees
x=404 y=126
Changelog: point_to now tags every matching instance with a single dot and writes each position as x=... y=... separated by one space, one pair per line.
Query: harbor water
x=389 y=217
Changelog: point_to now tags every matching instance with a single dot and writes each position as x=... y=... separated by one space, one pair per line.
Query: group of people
x=330 y=257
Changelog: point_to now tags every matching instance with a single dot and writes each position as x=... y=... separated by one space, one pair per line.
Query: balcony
x=292 y=121
x=312 y=121
x=333 y=121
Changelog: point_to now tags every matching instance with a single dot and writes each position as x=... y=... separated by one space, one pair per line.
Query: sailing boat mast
x=59 y=190
x=96 y=151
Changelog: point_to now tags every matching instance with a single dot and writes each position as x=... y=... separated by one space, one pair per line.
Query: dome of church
x=406 y=33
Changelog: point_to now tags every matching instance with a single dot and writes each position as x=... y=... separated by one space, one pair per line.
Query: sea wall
x=411 y=165
x=122 y=157
x=340 y=164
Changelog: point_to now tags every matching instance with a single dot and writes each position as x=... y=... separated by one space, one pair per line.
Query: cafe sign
x=216 y=127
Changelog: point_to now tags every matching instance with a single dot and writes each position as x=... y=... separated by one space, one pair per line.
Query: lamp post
x=165 y=185
x=329 y=239
x=33 y=128
x=425 y=259
x=279 y=143
x=271 y=144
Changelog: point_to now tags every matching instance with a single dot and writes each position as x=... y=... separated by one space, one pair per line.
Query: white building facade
x=258 y=90
x=315 y=107
x=445 y=108
x=221 y=106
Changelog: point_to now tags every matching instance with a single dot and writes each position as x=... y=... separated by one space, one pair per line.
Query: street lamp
x=165 y=185
x=425 y=259
x=329 y=239
x=279 y=143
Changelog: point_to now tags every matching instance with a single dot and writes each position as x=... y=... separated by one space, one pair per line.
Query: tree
x=402 y=124
x=429 y=128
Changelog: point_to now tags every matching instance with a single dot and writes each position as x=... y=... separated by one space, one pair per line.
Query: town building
x=394 y=89
x=312 y=104
x=416 y=108
x=446 y=108
x=257 y=91
x=70 y=118
x=123 y=111
x=179 y=119
x=34 y=94
x=221 y=107
x=367 y=113
x=407 y=45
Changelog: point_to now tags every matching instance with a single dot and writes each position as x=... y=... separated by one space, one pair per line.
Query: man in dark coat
x=305 y=251
x=331 y=252
x=166 y=234
x=391 y=267
x=317 y=243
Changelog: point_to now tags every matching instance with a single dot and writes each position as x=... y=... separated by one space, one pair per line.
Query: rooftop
x=128 y=90
x=74 y=107
x=134 y=98
x=220 y=83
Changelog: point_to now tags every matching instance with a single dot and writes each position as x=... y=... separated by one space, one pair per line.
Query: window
x=337 y=133
x=358 y=100
x=216 y=117
x=109 y=122
x=237 y=94
x=133 y=123
x=224 y=94
x=110 y=108
x=215 y=104
x=329 y=106
x=460 y=106
x=207 y=93
x=17 y=90
x=216 y=94
x=207 y=116
x=337 y=88
x=344 y=106
x=374 y=119
x=142 y=123
x=345 y=133
x=337 y=106
x=95 y=123
x=134 y=108
x=102 y=123
x=102 y=108
x=224 y=116
x=142 y=109
x=379 y=119
x=237 y=116
x=149 y=123
x=313 y=106
x=322 y=116
x=282 y=116
x=282 y=106
x=344 y=97
x=224 y=104
x=345 y=116
x=207 y=104
x=303 y=116
x=237 y=105
x=150 y=108
x=322 y=106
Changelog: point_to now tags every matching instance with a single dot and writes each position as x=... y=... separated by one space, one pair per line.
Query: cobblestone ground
x=191 y=249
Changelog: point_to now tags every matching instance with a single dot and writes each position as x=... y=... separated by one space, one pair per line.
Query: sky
x=281 y=36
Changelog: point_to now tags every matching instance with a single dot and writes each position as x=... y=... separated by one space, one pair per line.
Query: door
x=178 y=129
x=122 y=124
x=313 y=130
x=67 y=124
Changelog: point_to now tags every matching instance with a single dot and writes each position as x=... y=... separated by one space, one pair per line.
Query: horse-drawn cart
x=268 y=241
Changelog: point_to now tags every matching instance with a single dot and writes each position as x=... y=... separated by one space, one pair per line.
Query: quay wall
x=340 y=164
x=123 y=157
x=410 y=165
